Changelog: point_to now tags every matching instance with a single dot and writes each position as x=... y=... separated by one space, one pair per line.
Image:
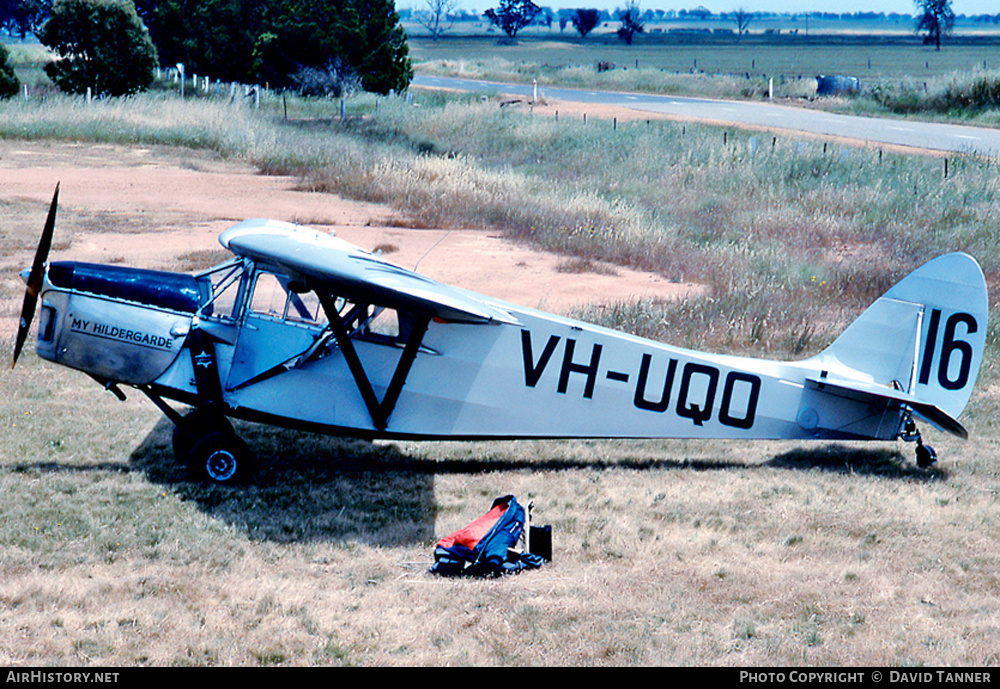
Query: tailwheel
x=222 y=458
x=926 y=456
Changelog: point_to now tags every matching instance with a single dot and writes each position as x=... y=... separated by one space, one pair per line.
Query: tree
x=742 y=18
x=99 y=44
x=936 y=19
x=436 y=17
x=9 y=83
x=631 y=19
x=210 y=37
x=585 y=21
x=513 y=15
x=23 y=16
x=273 y=41
x=363 y=37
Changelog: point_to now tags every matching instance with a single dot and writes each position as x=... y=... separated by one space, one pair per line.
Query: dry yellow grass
x=666 y=553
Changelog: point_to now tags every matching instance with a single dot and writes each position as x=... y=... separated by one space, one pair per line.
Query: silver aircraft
x=303 y=330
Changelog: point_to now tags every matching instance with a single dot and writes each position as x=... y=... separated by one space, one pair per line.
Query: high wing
x=326 y=263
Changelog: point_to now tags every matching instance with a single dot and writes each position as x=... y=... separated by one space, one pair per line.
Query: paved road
x=926 y=135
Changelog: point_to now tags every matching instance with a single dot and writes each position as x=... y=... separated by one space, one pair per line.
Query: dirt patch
x=158 y=207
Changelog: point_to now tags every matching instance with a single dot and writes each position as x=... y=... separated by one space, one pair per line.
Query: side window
x=385 y=324
x=224 y=305
x=377 y=324
x=304 y=308
x=271 y=297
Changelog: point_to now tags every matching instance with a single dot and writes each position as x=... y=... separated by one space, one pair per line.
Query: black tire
x=196 y=425
x=926 y=456
x=221 y=458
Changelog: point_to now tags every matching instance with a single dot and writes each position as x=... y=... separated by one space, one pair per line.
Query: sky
x=901 y=6
x=887 y=6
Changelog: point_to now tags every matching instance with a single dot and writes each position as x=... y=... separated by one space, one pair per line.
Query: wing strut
x=379 y=411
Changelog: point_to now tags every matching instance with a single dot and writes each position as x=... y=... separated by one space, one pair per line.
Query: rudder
x=925 y=336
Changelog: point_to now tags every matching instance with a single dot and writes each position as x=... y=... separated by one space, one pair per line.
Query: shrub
x=9 y=84
x=334 y=80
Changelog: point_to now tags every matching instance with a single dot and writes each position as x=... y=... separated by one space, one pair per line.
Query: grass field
x=665 y=553
x=890 y=68
x=790 y=59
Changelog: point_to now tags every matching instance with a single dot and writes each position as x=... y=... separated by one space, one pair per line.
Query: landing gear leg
x=194 y=426
x=926 y=456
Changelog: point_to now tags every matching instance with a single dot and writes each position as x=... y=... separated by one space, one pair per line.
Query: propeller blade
x=36 y=276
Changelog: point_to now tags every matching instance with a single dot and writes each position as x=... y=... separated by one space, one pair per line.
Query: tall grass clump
x=141 y=119
x=233 y=130
x=777 y=230
x=961 y=94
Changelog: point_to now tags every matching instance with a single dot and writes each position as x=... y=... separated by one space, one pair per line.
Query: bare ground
x=162 y=208
x=675 y=553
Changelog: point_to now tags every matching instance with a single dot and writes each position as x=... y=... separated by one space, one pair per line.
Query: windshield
x=226 y=287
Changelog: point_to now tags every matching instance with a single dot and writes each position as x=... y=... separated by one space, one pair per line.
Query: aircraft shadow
x=317 y=488
x=308 y=488
x=841 y=459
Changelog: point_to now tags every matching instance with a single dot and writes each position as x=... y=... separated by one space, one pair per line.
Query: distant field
x=863 y=57
x=784 y=25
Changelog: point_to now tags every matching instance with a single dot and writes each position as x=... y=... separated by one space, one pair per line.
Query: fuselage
x=533 y=376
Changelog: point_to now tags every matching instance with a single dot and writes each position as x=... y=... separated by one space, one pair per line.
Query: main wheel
x=926 y=456
x=196 y=425
x=221 y=458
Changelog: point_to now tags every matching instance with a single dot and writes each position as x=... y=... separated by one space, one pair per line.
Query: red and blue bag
x=486 y=547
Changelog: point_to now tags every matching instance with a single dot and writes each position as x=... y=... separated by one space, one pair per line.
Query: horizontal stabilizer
x=871 y=392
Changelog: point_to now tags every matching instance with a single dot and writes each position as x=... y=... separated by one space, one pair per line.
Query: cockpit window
x=272 y=297
x=376 y=324
x=269 y=297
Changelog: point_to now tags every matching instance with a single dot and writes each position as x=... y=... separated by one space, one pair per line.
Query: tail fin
x=925 y=337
